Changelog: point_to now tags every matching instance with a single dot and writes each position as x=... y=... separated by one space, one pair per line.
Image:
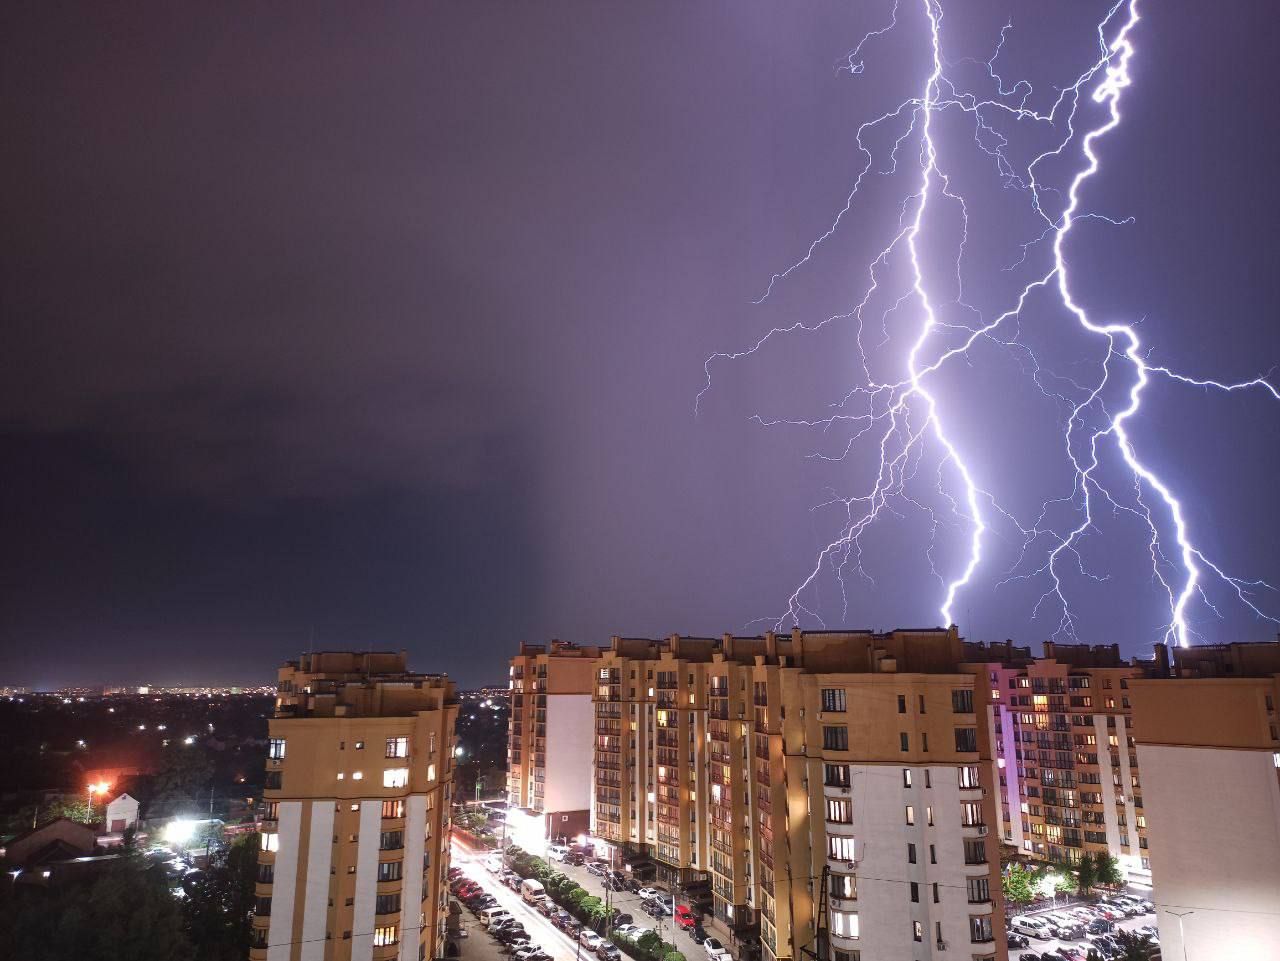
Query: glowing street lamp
x=102 y=787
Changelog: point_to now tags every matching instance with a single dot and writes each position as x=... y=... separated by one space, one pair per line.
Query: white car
x=589 y=939
x=557 y=851
x=715 y=950
x=632 y=931
x=647 y=893
x=1031 y=927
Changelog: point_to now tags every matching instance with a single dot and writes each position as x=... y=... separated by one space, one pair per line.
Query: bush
x=673 y=956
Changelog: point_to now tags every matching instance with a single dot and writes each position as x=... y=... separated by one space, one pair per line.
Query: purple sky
x=382 y=326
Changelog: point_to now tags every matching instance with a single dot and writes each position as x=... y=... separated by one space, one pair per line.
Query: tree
x=219 y=908
x=1019 y=884
x=1086 y=874
x=183 y=778
x=1134 y=947
x=1065 y=884
x=673 y=956
x=127 y=912
x=649 y=944
x=1108 y=870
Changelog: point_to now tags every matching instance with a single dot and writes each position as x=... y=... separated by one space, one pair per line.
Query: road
x=478 y=945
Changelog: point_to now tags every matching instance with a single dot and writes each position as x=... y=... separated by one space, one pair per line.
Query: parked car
x=574 y=858
x=557 y=851
x=715 y=950
x=608 y=952
x=1099 y=926
x=684 y=917
x=589 y=939
x=531 y=953
x=1031 y=927
x=1147 y=931
x=1015 y=940
x=1069 y=953
x=620 y=918
x=647 y=893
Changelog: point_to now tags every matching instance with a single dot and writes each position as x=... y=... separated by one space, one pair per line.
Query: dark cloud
x=384 y=324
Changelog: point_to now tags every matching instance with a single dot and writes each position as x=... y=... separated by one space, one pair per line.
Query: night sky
x=380 y=326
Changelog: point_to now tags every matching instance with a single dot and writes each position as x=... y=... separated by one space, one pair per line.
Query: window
x=970 y=814
x=915 y=893
x=836 y=775
x=980 y=928
x=397 y=747
x=928 y=812
x=266 y=873
x=835 y=738
x=975 y=851
x=387 y=904
x=911 y=814
x=431 y=772
x=389 y=870
x=917 y=931
x=273 y=780
x=911 y=853
x=833 y=699
x=924 y=743
x=395 y=777
x=937 y=897
x=391 y=841
x=966 y=739
x=968 y=777
x=357 y=775
x=904 y=741
x=933 y=854
x=271 y=811
x=359 y=745
x=841 y=849
x=275 y=748
x=385 y=935
x=844 y=886
x=979 y=890
x=844 y=924
x=962 y=701
x=393 y=809
x=270 y=841
x=839 y=811
x=906 y=777
x=262 y=907
x=902 y=704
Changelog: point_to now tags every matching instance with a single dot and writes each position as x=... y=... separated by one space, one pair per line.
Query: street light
x=102 y=787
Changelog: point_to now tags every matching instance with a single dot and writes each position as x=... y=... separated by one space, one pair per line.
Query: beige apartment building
x=548 y=769
x=836 y=788
x=1066 y=761
x=1209 y=746
x=354 y=841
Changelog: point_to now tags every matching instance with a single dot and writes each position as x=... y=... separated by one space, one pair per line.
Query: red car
x=686 y=918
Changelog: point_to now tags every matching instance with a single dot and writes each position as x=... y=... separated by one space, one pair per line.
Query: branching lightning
x=900 y=422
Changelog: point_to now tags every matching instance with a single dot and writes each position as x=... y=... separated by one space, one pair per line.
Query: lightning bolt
x=900 y=420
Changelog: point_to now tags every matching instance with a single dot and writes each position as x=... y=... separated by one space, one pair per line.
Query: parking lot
x=1052 y=948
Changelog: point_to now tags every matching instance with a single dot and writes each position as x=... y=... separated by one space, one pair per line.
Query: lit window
x=839 y=811
x=395 y=777
x=844 y=924
x=384 y=935
x=397 y=747
x=341 y=775
x=393 y=809
x=431 y=772
x=270 y=841
x=911 y=814
x=275 y=748
x=357 y=775
x=841 y=848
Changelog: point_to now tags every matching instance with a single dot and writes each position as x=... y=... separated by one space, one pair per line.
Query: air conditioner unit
x=942 y=945
x=844 y=789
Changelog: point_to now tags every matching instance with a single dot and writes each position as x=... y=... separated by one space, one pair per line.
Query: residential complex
x=354 y=845
x=1065 y=757
x=1209 y=747
x=835 y=787
x=549 y=772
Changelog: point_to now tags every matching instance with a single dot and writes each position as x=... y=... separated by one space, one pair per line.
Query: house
x=122 y=814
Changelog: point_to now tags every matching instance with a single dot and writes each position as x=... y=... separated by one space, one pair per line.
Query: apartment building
x=354 y=841
x=1065 y=759
x=548 y=771
x=834 y=787
x=1209 y=747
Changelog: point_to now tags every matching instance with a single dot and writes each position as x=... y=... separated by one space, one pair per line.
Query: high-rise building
x=354 y=841
x=1209 y=747
x=548 y=769
x=1066 y=762
x=835 y=787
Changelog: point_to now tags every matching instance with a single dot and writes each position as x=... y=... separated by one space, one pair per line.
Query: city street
x=478 y=945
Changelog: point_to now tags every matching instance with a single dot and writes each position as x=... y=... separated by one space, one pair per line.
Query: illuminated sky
x=384 y=328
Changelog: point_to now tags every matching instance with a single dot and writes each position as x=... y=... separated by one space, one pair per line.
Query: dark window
x=836 y=775
x=962 y=701
x=273 y=780
x=915 y=893
x=262 y=907
x=835 y=738
x=979 y=890
x=389 y=870
x=966 y=739
x=905 y=740
x=902 y=704
x=391 y=840
x=833 y=699
x=387 y=904
x=911 y=853
x=266 y=873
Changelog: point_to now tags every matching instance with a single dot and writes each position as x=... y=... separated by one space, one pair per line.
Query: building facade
x=835 y=788
x=550 y=735
x=1209 y=746
x=354 y=841
x=1065 y=752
